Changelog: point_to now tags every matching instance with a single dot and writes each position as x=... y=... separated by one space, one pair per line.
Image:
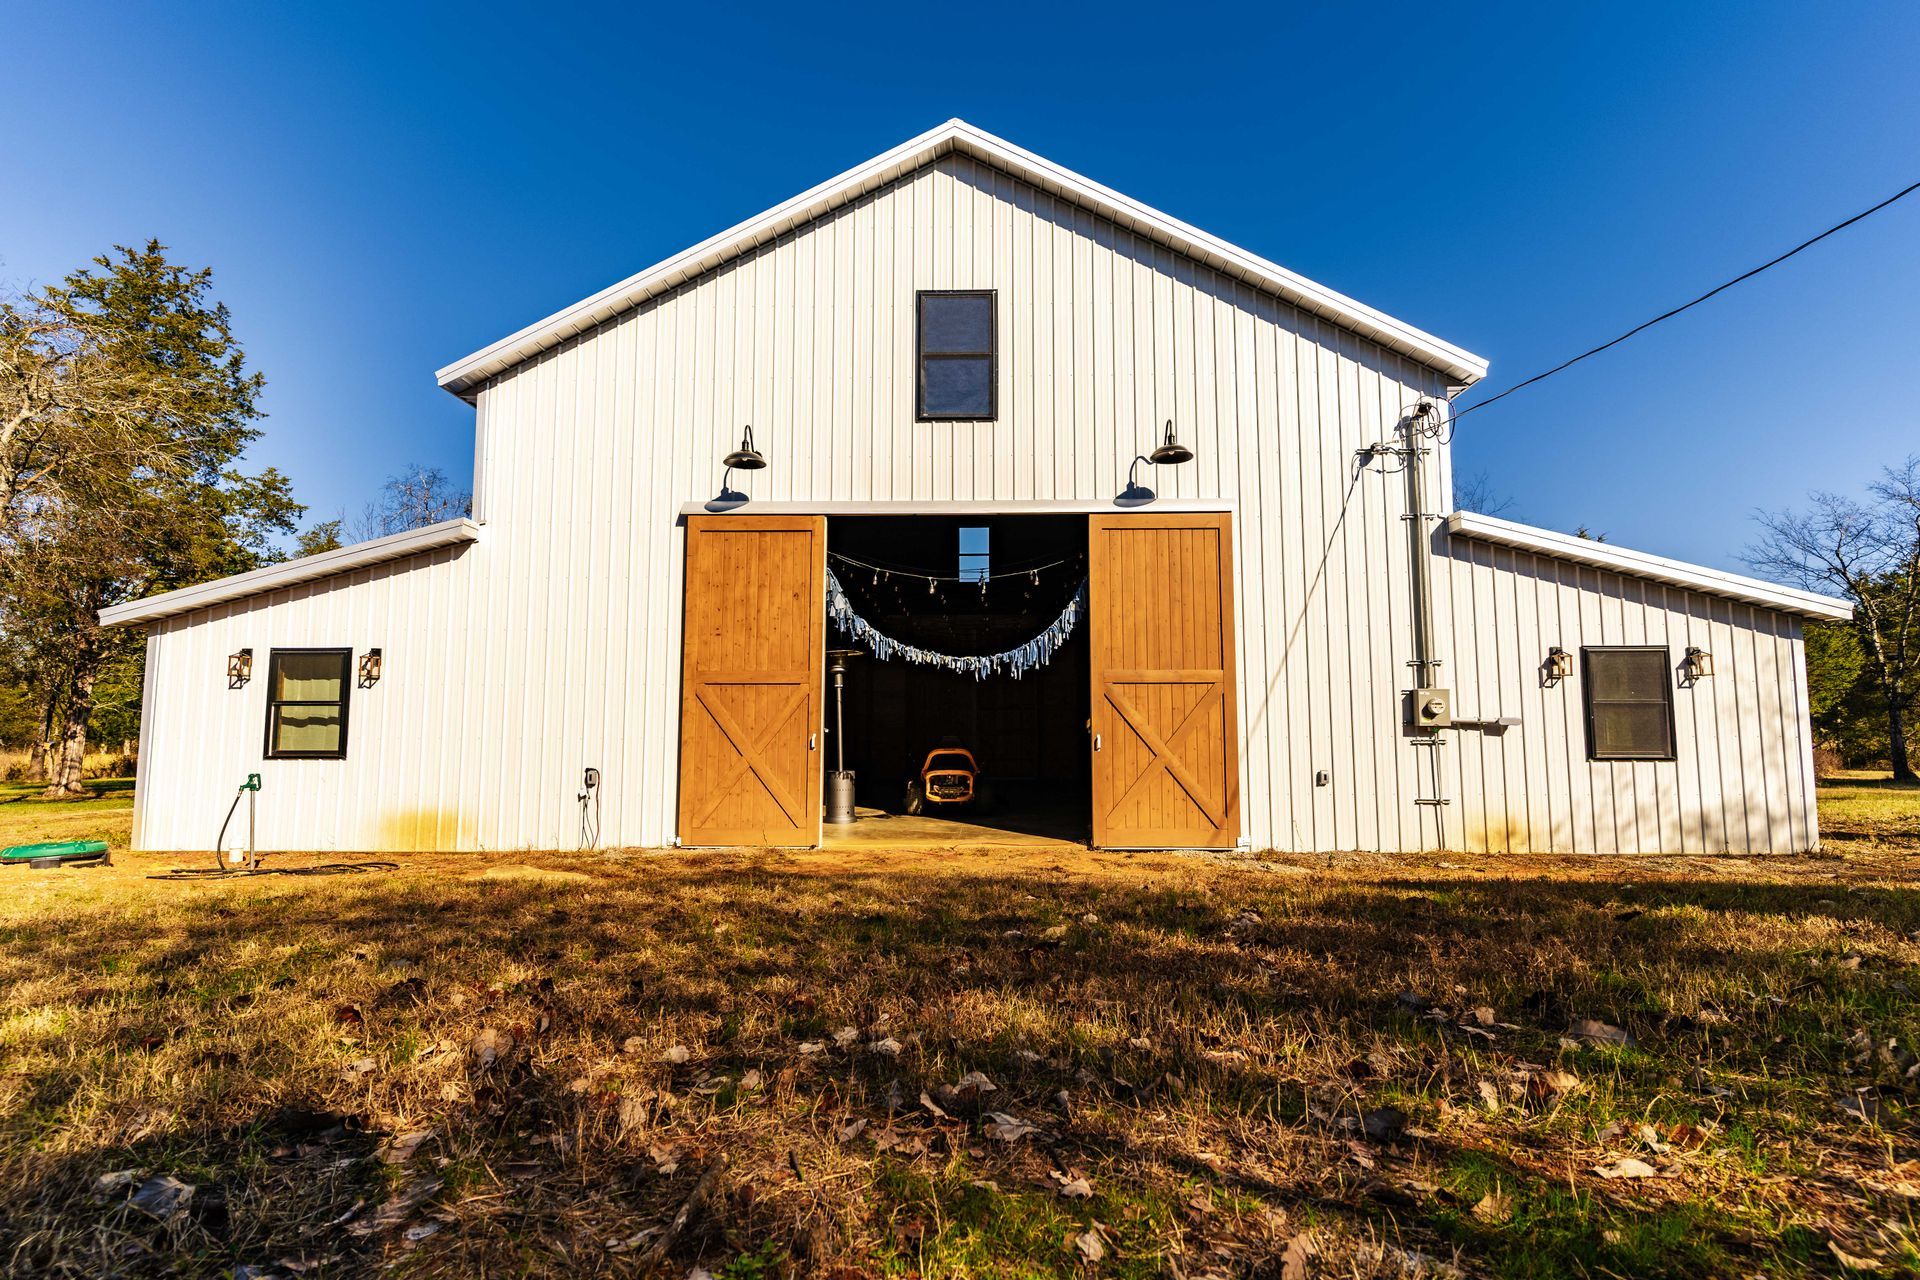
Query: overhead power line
x=1668 y=315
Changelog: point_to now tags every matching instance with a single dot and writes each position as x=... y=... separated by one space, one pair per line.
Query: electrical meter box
x=1430 y=709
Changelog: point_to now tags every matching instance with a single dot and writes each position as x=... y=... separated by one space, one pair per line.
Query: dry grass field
x=1013 y=1064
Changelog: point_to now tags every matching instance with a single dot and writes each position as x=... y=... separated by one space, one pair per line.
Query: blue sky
x=383 y=189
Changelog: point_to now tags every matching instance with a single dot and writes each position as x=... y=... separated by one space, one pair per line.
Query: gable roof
x=463 y=377
x=1638 y=564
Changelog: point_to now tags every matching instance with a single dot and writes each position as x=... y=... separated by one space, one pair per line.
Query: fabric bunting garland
x=1016 y=662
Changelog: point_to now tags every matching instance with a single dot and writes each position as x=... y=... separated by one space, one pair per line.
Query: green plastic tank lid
x=54 y=849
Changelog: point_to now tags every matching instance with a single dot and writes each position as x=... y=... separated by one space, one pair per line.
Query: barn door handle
x=1096 y=742
x=811 y=739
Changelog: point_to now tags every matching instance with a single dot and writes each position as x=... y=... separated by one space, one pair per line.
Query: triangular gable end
x=464 y=377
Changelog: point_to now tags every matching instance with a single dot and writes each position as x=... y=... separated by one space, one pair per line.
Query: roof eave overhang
x=1639 y=564
x=465 y=377
x=289 y=573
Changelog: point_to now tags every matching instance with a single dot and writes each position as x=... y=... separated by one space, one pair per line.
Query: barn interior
x=966 y=586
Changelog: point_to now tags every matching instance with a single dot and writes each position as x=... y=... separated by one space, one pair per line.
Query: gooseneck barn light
x=1171 y=452
x=746 y=457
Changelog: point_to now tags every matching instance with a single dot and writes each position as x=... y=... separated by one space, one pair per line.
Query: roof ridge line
x=463 y=376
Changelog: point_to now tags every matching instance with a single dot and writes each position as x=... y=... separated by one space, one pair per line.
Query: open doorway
x=943 y=754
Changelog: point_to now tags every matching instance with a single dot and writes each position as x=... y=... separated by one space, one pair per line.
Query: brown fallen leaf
x=1852 y=1261
x=1074 y=1188
x=1295 y=1258
x=1495 y=1206
x=400 y=1147
x=1626 y=1167
x=1007 y=1128
x=490 y=1045
x=162 y=1197
x=1598 y=1031
x=1091 y=1247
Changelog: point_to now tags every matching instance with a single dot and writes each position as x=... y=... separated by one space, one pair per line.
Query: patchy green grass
x=1859 y=805
x=1202 y=1066
x=27 y=819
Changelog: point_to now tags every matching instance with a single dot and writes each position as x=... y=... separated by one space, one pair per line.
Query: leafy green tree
x=318 y=537
x=156 y=502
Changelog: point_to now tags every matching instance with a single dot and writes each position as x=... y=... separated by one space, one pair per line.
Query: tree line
x=126 y=409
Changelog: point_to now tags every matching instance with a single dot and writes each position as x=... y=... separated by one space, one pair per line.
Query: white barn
x=951 y=357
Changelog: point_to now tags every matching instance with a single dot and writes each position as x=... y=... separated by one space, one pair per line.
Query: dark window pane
x=958 y=387
x=1629 y=696
x=961 y=322
x=307 y=677
x=1640 y=674
x=306 y=729
x=1630 y=729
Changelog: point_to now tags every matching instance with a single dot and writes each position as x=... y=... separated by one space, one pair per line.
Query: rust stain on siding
x=421 y=831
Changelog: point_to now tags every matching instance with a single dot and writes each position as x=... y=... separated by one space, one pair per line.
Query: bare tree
x=1476 y=493
x=416 y=497
x=1868 y=551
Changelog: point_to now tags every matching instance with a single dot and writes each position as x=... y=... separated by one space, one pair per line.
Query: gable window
x=1629 y=697
x=956 y=336
x=307 y=704
x=974 y=560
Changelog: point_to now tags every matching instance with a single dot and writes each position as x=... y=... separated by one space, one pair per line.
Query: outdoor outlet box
x=1432 y=708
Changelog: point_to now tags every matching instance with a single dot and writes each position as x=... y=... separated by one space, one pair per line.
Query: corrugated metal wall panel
x=553 y=644
x=1742 y=775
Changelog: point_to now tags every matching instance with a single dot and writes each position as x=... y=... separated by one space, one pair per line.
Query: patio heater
x=840 y=780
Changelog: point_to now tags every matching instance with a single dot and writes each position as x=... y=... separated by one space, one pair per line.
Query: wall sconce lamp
x=369 y=668
x=1170 y=453
x=1699 y=663
x=745 y=458
x=239 y=668
x=1558 y=666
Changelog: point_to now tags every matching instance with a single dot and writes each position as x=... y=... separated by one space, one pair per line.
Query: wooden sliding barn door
x=750 y=682
x=1166 y=767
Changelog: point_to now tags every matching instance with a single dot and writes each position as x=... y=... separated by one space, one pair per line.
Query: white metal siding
x=398 y=786
x=1742 y=776
x=553 y=644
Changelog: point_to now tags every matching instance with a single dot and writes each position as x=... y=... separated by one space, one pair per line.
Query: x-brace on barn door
x=750 y=688
x=1166 y=768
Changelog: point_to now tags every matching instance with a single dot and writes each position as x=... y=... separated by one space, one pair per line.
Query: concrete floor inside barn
x=1030 y=828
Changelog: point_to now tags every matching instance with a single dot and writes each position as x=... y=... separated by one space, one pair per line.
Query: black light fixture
x=1171 y=452
x=746 y=457
x=1699 y=663
x=370 y=668
x=239 y=668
